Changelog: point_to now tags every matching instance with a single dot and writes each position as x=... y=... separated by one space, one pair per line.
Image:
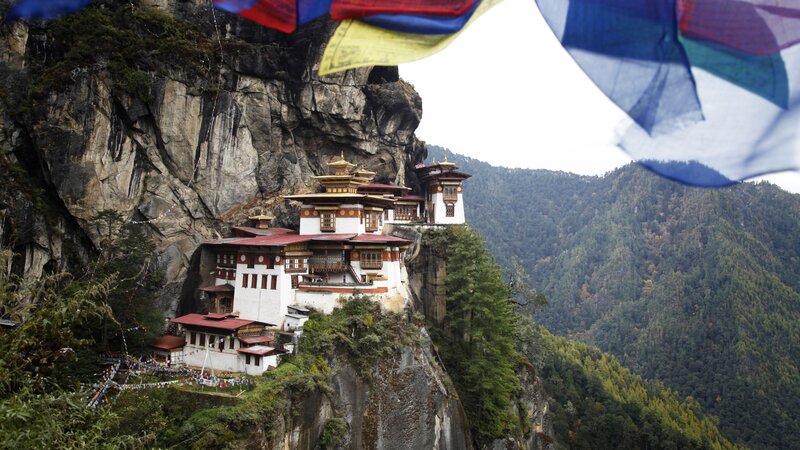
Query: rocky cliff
x=216 y=117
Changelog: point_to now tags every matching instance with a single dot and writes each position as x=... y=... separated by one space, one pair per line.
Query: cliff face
x=196 y=154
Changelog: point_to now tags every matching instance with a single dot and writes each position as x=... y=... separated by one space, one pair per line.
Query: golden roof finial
x=434 y=160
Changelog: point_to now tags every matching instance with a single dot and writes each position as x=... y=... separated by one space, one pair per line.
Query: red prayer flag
x=278 y=14
x=352 y=9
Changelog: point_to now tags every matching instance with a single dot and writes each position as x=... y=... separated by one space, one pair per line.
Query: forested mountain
x=697 y=288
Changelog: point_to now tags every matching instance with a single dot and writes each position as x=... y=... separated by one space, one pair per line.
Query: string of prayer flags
x=711 y=86
x=358 y=44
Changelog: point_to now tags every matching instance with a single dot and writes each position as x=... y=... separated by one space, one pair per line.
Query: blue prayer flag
x=421 y=23
x=44 y=9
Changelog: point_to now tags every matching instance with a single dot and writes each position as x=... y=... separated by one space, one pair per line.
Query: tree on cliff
x=40 y=406
x=128 y=256
x=479 y=334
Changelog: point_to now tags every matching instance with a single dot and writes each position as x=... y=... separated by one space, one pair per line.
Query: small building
x=219 y=341
x=168 y=349
x=444 y=202
x=296 y=317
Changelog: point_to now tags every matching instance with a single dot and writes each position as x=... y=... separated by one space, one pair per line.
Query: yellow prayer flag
x=357 y=44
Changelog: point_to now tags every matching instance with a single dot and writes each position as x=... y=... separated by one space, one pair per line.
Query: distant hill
x=698 y=288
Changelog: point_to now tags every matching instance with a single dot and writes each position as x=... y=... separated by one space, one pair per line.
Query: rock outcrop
x=196 y=154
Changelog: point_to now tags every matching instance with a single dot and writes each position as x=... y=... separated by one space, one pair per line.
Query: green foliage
x=699 y=288
x=359 y=329
x=127 y=255
x=49 y=313
x=477 y=338
x=39 y=404
x=129 y=41
x=333 y=433
x=598 y=404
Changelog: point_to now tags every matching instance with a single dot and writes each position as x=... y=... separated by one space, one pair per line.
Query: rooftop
x=167 y=342
x=221 y=288
x=258 y=350
x=283 y=240
x=213 y=321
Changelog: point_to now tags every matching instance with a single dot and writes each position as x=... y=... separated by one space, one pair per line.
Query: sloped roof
x=258 y=350
x=379 y=239
x=227 y=287
x=167 y=342
x=208 y=321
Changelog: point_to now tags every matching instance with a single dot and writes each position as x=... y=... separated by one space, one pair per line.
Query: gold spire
x=261 y=220
x=446 y=162
x=342 y=166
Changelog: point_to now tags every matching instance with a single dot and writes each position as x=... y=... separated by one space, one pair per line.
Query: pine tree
x=479 y=335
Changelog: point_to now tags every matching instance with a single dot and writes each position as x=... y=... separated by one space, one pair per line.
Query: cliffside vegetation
x=696 y=288
x=130 y=42
x=597 y=403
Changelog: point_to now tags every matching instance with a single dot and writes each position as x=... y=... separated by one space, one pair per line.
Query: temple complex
x=265 y=280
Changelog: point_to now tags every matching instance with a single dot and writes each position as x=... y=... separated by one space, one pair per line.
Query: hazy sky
x=507 y=93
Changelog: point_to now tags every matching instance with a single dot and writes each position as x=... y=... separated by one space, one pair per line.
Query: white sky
x=507 y=93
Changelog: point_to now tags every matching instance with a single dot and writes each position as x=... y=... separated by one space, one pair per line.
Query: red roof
x=279 y=240
x=221 y=288
x=256 y=339
x=379 y=238
x=168 y=342
x=209 y=321
x=258 y=350
x=284 y=240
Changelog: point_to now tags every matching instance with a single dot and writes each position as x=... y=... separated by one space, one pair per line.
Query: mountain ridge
x=695 y=287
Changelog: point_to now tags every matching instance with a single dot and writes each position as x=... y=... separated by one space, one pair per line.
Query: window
x=211 y=338
x=274 y=284
x=226 y=305
x=327 y=221
x=450 y=210
x=294 y=264
x=270 y=261
x=202 y=340
x=257 y=361
x=264 y=281
x=254 y=281
x=451 y=193
x=244 y=280
x=221 y=343
x=405 y=212
x=295 y=281
x=371 y=259
x=193 y=338
x=371 y=220
x=247 y=359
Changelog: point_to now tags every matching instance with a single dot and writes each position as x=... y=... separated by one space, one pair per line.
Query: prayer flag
x=421 y=23
x=44 y=9
x=353 y=9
